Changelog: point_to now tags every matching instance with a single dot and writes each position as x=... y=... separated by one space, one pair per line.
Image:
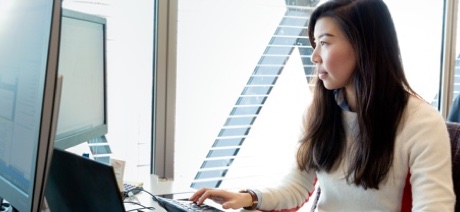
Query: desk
x=147 y=201
x=158 y=208
x=169 y=189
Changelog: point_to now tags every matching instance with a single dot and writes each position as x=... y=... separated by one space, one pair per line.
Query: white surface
x=157 y=186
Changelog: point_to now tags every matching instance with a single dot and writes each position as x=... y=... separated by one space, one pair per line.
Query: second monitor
x=82 y=63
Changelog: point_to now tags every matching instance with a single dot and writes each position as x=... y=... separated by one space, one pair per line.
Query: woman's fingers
x=212 y=194
x=197 y=194
x=201 y=195
x=226 y=198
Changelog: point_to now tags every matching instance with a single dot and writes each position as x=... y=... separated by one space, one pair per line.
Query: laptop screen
x=77 y=183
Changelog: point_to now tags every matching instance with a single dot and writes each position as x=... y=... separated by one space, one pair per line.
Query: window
x=419 y=30
x=452 y=79
x=231 y=85
x=243 y=69
x=129 y=76
x=242 y=87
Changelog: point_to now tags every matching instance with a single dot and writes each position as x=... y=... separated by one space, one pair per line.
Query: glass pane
x=454 y=114
x=419 y=29
x=129 y=75
x=242 y=87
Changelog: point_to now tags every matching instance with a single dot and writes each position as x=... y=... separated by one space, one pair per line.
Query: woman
x=369 y=140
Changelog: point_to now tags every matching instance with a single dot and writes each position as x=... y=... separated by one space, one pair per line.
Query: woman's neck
x=351 y=98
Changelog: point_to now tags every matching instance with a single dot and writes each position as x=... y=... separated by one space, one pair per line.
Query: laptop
x=77 y=183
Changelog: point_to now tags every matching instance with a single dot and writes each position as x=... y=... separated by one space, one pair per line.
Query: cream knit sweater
x=422 y=150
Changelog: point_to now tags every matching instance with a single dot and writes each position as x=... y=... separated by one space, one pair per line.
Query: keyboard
x=174 y=205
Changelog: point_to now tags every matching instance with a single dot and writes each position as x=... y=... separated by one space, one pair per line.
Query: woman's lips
x=322 y=75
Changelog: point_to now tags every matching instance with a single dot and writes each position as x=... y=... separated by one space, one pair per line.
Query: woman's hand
x=227 y=199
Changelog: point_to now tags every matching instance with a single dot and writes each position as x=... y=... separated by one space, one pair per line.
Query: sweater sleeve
x=292 y=192
x=429 y=159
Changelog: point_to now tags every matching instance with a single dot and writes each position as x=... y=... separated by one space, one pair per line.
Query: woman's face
x=333 y=56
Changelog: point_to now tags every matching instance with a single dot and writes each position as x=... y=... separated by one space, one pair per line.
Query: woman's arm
x=430 y=162
x=292 y=192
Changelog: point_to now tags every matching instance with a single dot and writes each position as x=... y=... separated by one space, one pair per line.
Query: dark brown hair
x=381 y=90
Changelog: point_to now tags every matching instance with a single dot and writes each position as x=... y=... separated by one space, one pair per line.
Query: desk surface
x=140 y=199
x=167 y=188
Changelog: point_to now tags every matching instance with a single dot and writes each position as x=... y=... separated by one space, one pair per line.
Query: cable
x=130 y=193
x=137 y=209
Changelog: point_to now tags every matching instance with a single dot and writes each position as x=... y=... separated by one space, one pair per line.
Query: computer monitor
x=29 y=44
x=83 y=114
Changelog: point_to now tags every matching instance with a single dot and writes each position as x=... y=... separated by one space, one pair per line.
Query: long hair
x=381 y=90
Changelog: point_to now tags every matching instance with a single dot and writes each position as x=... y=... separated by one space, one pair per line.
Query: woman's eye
x=322 y=43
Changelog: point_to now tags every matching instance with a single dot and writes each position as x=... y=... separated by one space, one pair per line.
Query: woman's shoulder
x=418 y=106
x=420 y=114
x=420 y=125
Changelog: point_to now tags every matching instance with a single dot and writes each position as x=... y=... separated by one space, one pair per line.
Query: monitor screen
x=82 y=113
x=29 y=41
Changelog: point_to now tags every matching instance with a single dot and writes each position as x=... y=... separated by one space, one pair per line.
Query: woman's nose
x=315 y=58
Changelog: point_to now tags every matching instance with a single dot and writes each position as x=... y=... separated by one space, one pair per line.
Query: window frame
x=164 y=88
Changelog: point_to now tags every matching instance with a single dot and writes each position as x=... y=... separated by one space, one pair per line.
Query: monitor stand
x=5 y=206
x=44 y=207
